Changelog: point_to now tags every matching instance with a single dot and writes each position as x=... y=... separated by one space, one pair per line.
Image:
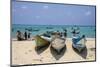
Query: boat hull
x=58 y=44
x=41 y=42
x=78 y=44
x=79 y=49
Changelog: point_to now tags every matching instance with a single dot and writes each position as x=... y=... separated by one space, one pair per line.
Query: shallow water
x=89 y=31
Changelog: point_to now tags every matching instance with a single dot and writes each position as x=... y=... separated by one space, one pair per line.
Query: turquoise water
x=89 y=31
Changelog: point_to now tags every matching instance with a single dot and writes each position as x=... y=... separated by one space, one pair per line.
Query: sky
x=52 y=14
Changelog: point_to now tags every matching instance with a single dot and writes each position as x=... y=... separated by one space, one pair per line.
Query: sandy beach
x=23 y=53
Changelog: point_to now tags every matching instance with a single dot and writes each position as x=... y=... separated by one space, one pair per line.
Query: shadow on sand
x=55 y=54
x=83 y=53
x=39 y=50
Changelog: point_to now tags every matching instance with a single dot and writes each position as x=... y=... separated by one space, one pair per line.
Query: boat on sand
x=78 y=43
x=47 y=38
x=41 y=42
x=58 y=44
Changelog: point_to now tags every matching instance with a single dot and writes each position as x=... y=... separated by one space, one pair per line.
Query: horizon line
x=56 y=24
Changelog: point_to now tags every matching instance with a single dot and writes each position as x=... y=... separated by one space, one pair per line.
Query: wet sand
x=23 y=53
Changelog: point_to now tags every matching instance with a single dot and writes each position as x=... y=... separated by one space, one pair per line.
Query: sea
x=88 y=31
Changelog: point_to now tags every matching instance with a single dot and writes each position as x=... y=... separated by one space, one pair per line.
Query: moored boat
x=49 y=27
x=31 y=29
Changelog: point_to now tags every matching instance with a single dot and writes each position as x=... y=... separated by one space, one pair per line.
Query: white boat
x=58 y=44
x=78 y=43
x=46 y=38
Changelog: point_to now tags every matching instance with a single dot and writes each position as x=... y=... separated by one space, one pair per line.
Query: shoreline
x=66 y=38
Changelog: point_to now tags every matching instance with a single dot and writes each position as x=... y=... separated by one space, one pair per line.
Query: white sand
x=23 y=52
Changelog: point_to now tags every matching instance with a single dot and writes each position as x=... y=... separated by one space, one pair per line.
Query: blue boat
x=79 y=43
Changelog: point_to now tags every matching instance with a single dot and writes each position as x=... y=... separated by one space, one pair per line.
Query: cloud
x=37 y=17
x=24 y=7
x=45 y=6
x=88 y=13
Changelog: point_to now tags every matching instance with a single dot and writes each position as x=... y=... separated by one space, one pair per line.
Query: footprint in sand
x=26 y=53
x=15 y=58
x=30 y=50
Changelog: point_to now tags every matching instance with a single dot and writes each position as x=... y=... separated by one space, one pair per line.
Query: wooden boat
x=47 y=38
x=47 y=34
x=78 y=43
x=30 y=29
x=49 y=28
x=58 y=44
x=35 y=30
x=41 y=42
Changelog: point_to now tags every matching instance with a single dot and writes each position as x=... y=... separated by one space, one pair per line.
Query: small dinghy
x=41 y=42
x=58 y=44
x=78 y=43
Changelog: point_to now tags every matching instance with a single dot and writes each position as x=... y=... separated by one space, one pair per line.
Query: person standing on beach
x=25 y=35
x=29 y=34
x=84 y=38
x=65 y=33
x=19 y=35
x=74 y=32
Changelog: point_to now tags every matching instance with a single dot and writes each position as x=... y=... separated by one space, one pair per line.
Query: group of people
x=23 y=36
x=27 y=35
x=74 y=30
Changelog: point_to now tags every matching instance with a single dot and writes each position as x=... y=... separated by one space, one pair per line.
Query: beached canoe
x=78 y=43
x=46 y=35
x=47 y=38
x=58 y=44
x=40 y=42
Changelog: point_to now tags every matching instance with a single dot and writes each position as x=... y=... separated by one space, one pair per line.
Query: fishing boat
x=75 y=30
x=49 y=27
x=35 y=29
x=41 y=42
x=78 y=43
x=58 y=44
x=30 y=29
x=46 y=35
x=47 y=38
